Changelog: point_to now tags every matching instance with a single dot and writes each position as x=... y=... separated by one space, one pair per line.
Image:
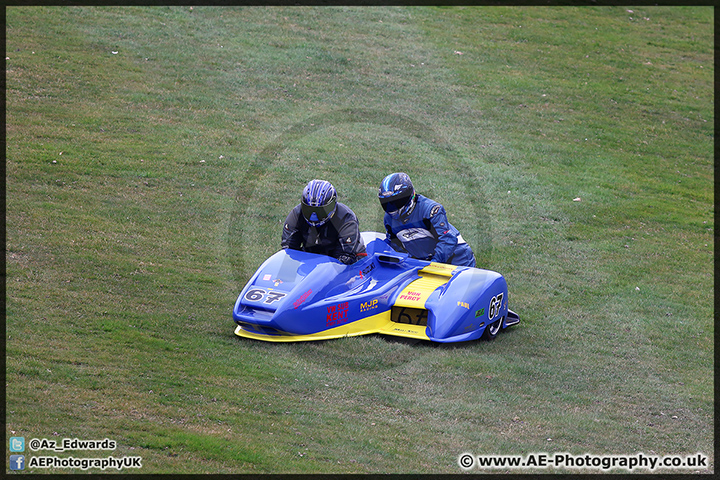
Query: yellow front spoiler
x=379 y=323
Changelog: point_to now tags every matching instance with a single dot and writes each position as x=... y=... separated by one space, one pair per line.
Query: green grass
x=144 y=187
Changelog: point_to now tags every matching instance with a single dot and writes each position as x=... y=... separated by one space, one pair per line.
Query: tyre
x=493 y=329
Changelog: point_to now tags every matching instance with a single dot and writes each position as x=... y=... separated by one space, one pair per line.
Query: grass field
x=154 y=152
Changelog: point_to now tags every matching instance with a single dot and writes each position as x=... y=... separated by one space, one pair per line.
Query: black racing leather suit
x=339 y=237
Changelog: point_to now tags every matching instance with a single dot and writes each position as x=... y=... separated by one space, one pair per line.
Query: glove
x=347 y=259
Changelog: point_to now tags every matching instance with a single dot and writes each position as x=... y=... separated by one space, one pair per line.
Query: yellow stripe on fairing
x=417 y=292
x=379 y=323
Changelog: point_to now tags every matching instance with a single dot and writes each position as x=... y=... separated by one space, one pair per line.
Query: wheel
x=493 y=329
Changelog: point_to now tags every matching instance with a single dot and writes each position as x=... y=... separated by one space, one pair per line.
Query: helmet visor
x=395 y=203
x=317 y=214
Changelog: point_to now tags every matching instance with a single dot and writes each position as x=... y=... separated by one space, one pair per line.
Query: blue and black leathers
x=425 y=233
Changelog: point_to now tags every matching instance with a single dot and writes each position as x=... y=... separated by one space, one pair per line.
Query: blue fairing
x=296 y=296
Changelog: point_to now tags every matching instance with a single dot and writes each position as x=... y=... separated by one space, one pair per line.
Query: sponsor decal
x=443 y=266
x=302 y=298
x=435 y=210
x=480 y=313
x=367 y=306
x=367 y=270
x=267 y=277
x=412 y=296
x=409 y=234
x=337 y=314
x=464 y=305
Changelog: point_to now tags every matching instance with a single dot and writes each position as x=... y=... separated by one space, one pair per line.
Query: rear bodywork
x=297 y=296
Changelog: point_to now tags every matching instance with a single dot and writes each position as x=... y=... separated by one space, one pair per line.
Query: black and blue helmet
x=397 y=194
x=319 y=200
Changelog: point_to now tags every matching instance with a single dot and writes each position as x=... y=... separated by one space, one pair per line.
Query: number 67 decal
x=257 y=294
x=495 y=304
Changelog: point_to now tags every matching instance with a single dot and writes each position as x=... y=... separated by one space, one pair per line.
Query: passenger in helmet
x=419 y=226
x=321 y=224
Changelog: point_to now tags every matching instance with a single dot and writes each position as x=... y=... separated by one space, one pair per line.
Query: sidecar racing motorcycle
x=297 y=296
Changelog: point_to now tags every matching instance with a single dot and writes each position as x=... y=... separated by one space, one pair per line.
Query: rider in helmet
x=419 y=226
x=321 y=224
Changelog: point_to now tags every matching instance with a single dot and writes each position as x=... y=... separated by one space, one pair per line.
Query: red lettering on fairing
x=302 y=298
x=412 y=296
x=337 y=314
